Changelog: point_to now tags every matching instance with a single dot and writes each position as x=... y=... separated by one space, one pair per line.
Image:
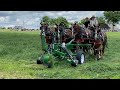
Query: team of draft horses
x=90 y=33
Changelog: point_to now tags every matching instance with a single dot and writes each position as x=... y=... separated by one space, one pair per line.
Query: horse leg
x=103 y=48
x=101 y=51
x=106 y=42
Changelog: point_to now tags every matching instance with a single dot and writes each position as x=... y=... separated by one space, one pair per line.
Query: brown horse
x=67 y=34
x=98 y=44
x=48 y=33
x=102 y=39
x=81 y=36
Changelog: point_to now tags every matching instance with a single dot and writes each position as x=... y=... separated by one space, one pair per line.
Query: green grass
x=20 y=49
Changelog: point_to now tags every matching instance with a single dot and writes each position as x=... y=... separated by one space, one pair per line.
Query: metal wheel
x=80 y=57
x=74 y=63
x=39 y=61
x=49 y=65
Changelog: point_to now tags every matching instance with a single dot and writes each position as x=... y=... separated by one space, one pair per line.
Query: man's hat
x=93 y=16
x=76 y=22
x=86 y=18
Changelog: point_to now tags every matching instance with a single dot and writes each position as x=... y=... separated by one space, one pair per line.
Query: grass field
x=20 y=49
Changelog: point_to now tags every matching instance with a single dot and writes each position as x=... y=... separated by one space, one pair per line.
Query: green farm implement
x=72 y=52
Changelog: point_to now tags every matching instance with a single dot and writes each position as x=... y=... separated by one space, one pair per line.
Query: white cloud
x=18 y=20
x=37 y=19
x=61 y=13
x=49 y=14
x=32 y=18
x=2 y=19
x=29 y=23
x=9 y=26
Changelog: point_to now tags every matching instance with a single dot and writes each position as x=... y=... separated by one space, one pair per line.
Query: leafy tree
x=53 y=21
x=112 y=17
x=70 y=24
x=82 y=21
x=45 y=19
x=101 y=20
x=63 y=20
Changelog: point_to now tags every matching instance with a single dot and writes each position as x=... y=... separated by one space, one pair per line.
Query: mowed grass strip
x=20 y=49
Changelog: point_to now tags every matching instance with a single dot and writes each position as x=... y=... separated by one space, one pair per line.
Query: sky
x=31 y=19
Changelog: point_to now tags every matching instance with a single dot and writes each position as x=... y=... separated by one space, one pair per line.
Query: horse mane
x=77 y=28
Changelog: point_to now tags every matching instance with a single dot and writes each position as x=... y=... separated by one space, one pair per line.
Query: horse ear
x=41 y=23
x=56 y=24
x=40 y=28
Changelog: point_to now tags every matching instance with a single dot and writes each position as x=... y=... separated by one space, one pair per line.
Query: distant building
x=2 y=27
x=18 y=27
x=9 y=28
x=116 y=29
x=104 y=27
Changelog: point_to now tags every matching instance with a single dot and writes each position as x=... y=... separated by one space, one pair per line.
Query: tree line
x=53 y=21
x=109 y=17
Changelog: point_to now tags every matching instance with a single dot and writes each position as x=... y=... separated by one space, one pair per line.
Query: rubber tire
x=79 y=53
x=73 y=64
x=39 y=61
x=49 y=65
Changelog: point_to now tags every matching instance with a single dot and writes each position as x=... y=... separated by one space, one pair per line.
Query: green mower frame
x=61 y=50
